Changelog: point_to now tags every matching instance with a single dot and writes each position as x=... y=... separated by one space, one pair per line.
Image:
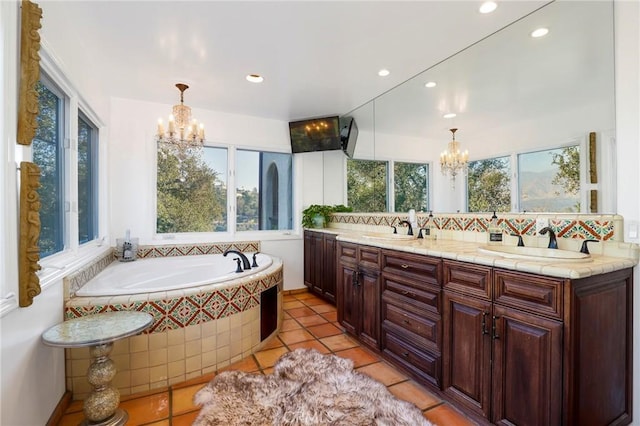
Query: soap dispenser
x=495 y=233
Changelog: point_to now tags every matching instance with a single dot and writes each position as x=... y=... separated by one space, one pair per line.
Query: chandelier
x=453 y=161
x=182 y=132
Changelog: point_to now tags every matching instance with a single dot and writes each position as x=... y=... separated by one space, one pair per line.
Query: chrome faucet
x=553 y=243
x=245 y=261
x=410 y=231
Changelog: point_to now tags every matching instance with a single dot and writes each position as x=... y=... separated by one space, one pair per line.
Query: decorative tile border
x=73 y=282
x=185 y=310
x=596 y=227
x=196 y=249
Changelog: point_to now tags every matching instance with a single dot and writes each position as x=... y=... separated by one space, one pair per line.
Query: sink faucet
x=410 y=231
x=553 y=243
x=245 y=261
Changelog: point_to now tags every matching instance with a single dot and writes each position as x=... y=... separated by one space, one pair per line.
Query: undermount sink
x=536 y=253
x=387 y=237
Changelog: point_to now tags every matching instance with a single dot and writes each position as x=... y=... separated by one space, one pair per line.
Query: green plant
x=323 y=210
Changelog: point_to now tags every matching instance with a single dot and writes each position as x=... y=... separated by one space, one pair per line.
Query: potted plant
x=318 y=215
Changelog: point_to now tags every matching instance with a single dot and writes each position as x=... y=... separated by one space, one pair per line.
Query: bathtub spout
x=245 y=262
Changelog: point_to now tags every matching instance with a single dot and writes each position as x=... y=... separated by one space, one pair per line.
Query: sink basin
x=536 y=253
x=387 y=237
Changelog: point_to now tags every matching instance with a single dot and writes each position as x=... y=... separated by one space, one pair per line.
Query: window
x=191 y=190
x=48 y=154
x=410 y=183
x=264 y=191
x=367 y=185
x=489 y=185
x=550 y=180
x=87 y=180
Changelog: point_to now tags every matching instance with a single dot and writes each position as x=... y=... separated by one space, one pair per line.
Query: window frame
x=93 y=157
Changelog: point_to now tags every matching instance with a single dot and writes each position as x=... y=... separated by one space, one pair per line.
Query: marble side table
x=99 y=332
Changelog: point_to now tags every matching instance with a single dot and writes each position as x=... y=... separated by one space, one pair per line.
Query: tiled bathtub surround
x=195 y=330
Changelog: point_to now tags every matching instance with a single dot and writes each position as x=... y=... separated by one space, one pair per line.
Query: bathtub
x=168 y=273
x=206 y=317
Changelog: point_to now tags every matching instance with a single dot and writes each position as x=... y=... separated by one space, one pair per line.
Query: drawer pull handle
x=404 y=266
x=495 y=336
x=405 y=354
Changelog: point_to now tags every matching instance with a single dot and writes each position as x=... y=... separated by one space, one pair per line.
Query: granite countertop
x=465 y=251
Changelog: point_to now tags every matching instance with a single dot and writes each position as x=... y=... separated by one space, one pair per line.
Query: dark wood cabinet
x=320 y=264
x=358 y=292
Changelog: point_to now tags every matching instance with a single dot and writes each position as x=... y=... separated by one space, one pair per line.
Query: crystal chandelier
x=453 y=161
x=182 y=133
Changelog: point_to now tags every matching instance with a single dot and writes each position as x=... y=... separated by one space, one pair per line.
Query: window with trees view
x=191 y=190
x=264 y=191
x=550 y=180
x=367 y=185
x=48 y=154
x=87 y=180
x=489 y=185
x=410 y=184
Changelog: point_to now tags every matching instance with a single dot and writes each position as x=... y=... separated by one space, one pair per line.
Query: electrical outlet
x=541 y=222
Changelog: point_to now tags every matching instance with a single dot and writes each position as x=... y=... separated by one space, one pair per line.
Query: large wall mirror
x=512 y=94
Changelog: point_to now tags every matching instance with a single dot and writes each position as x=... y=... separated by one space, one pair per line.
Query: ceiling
x=316 y=57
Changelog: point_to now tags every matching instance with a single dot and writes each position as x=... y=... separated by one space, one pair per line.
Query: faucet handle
x=585 y=249
x=238 y=267
x=520 y=242
x=254 y=264
x=395 y=230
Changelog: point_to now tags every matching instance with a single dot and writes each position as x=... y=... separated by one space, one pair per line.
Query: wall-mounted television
x=348 y=135
x=315 y=134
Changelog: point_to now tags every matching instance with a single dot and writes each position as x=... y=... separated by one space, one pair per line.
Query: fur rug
x=306 y=388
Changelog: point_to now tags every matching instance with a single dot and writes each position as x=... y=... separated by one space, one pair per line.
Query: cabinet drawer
x=420 y=268
x=540 y=295
x=467 y=278
x=419 y=295
x=369 y=257
x=347 y=252
x=422 y=363
x=426 y=326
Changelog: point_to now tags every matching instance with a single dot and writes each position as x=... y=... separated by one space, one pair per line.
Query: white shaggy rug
x=305 y=388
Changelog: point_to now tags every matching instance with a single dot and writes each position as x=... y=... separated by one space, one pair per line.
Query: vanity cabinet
x=358 y=292
x=320 y=264
x=411 y=314
x=527 y=349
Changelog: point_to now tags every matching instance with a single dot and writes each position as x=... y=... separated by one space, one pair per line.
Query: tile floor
x=309 y=322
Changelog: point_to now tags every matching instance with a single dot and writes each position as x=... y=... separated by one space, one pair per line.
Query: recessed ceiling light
x=255 y=78
x=430 y=84
x=449 y=115
x=383 y=72
x=540 y=32
x=488 y=7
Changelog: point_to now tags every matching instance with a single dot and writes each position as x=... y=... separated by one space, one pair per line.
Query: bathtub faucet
x=245 y=262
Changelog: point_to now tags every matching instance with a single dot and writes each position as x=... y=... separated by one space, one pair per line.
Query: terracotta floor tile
x=330 y=316
x=324 y=330
x=383 y=372
x=295 y=336
x=324 y=308
x=339 y=342
x=310 y=344
x=268 y=370
x=289 y=298
x=292 y=304
x=311 y=320
x=411 y=392
x=165 y=422
x=247 y=364
x=307 y=295
x=76 y=406
x=185 y=419
x=274 y=343
x=314 y=301
x=201 y=380
x=147 y=409
x=445 y=414
x=359 y=356
x=270 y=356
x=290 y=324
x=182 y=399
x=300 y=312
x=72 y=419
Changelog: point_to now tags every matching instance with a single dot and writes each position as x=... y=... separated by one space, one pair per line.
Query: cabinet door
x=308 y=260
x=317 y=263
x=527 y=369
x=329 y=268
x=466 y=352
x=348 y=298
x=369 y=288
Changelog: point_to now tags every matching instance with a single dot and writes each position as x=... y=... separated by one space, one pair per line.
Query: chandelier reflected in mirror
x=453 y=161
x=182 y=133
